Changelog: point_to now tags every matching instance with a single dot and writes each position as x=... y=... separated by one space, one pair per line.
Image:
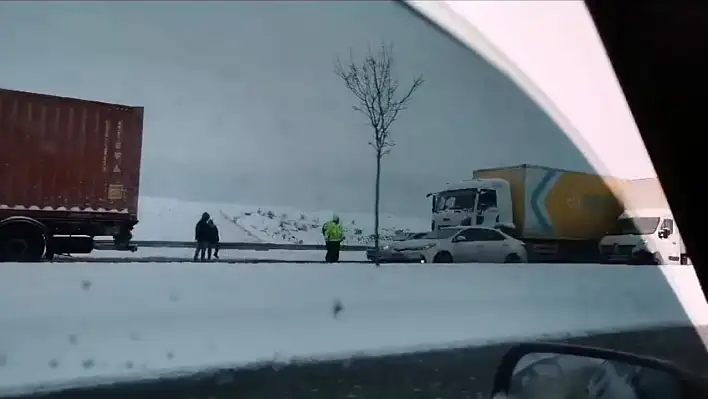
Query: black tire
x=645 y=258
x=443 y=257
x=28 y=247
x=512 y=258
x=658 y=260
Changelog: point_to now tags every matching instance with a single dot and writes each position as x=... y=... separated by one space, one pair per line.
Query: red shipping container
x=68 y=156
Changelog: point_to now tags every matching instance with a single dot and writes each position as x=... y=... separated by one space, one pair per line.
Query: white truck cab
x=644 y=234
x=473 y=202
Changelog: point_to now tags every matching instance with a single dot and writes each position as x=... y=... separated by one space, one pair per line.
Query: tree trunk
x=376 y=207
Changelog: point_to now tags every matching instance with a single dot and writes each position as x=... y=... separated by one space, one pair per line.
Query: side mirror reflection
x=459 y=238
x=549 y=371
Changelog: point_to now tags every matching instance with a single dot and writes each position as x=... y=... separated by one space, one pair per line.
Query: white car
x=385 y=253
x=462 y=245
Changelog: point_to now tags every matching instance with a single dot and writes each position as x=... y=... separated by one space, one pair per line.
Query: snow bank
x=173 y=220
x=65 y=321
x=293 y=226
x=226 y=255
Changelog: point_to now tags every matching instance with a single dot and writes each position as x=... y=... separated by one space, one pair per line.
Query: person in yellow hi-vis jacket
x=334 y=235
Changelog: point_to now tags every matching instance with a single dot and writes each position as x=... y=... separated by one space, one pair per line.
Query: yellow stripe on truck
x=554 y=203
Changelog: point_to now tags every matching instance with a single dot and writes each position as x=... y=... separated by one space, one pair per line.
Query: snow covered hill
x=173 y=220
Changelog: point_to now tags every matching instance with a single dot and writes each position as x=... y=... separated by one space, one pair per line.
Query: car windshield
x=409 y=236
x=637 y=225
x=443 y=233
x=187 y=184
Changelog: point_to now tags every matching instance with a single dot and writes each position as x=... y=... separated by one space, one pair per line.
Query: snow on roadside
x=226 y=255
x=168 y=219
x=298 y=227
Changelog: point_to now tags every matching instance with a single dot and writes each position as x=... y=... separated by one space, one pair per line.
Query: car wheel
x=512 y=258
x=443 y=257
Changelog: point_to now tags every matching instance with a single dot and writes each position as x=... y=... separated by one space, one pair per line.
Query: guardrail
x=253 y=246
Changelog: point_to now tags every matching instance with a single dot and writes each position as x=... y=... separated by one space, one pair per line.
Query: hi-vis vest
x=333 y=232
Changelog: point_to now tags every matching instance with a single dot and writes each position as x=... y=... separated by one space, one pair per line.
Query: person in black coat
x=214 y=238
x=202 y=235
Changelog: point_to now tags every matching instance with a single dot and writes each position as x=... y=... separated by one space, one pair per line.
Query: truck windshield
x=456 y=200
x=637 y=225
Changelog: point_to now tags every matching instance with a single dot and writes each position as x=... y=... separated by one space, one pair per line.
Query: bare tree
x=380 y=101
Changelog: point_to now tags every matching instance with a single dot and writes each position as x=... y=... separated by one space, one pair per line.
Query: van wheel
x=643 y=258
x=658 y=260
x=512 y=258
x=443 y=257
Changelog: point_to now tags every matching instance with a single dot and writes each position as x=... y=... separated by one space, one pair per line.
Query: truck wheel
x=443 y=257
x=28 y=247
x=512 y=258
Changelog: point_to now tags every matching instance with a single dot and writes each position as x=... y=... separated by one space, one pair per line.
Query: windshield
x=442 y=233
x=456 y=200
x=409 y=236
x=637 y=225
x=186 y=184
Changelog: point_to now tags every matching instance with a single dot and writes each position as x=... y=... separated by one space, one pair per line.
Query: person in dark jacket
x=202 y=234
x=214 y=238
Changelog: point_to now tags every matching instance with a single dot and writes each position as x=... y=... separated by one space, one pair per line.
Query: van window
x=669 y=225
x=636 y=225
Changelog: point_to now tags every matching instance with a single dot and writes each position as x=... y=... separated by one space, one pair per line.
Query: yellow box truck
x=561 y=215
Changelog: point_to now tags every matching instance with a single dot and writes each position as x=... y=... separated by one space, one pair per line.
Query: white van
x=644 y=236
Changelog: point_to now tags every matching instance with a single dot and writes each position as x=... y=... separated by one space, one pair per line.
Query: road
x=463 y=373
x=460 y=373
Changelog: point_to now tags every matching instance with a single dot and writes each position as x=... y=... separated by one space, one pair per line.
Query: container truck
x=646 y=232
x=69 y=172
x=560 y=215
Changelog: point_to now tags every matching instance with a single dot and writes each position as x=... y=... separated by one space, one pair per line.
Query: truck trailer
x=69 y=172
x=561 y=215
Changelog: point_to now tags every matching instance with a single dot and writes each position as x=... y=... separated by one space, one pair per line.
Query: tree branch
x=373 y=85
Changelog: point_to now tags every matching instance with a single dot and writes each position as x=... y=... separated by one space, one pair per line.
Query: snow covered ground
x=167 y=219
x=225 y=255
x=59 y=322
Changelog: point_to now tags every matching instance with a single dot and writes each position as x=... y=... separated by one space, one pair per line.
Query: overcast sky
x=242 y=104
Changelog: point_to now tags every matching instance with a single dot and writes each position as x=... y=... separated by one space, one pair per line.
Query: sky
x=242 y=104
